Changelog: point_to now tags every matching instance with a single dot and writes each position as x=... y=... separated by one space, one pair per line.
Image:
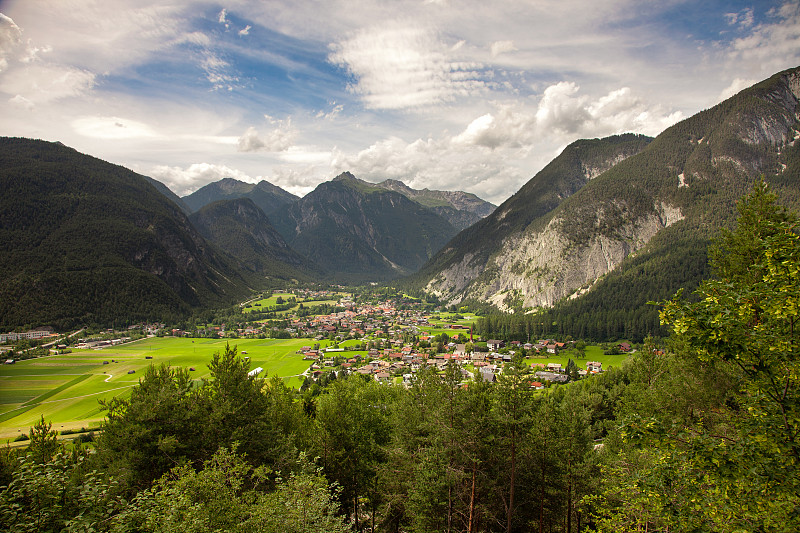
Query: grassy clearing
x=66 y=388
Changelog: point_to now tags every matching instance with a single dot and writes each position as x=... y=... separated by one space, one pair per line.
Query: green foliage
x=711 y=436
x=227 y=495
x=59 y=495
x=43 y=441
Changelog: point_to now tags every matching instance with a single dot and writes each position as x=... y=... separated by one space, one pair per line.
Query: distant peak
x=396 y=184
x=344 y=176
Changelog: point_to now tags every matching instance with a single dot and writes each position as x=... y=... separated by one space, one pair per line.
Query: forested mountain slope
x=243 y=230
x=535 y=250
x=86 y=242
x=358 y=231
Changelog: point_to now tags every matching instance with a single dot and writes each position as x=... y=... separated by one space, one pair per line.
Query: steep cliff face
x=540 y=268
x=597 y=204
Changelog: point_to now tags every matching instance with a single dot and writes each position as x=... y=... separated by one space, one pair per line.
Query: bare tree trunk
x=569 y=506
x=513 y=482
x=472 y=501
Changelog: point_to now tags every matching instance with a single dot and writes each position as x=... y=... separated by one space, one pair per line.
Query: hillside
x=358 y=231
x=243 y=230
x=87 y=242
x=266 y=196
x=559 y=237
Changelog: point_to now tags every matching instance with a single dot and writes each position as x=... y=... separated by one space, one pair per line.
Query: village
x=392 y=343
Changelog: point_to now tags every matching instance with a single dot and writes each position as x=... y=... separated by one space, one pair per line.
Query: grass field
x=66 y=388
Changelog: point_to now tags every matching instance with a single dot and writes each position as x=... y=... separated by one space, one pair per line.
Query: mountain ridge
x=684 y=182
x=89 y=241
x=265 y=195
x=358 y=231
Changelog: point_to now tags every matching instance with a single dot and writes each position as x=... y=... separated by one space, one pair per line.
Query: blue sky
x=444 y=94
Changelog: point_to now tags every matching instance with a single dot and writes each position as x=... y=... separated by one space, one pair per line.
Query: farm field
x=66 y=388
x=593 y=353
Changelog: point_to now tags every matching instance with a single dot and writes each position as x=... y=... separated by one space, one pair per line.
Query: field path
x=109 y=377
x=90 y=394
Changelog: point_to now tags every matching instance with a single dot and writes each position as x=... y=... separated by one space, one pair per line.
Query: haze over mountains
x=609 y=222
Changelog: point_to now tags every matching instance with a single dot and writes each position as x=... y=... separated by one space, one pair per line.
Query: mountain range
x=266 y=196
x=359 y=231
x=607 y=226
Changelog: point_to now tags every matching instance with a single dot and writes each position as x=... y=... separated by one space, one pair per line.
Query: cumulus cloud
x=563 y=113
x=771 y=45
x=184 y=181
x=245 y=30
x=435 y=164
x=736 y=85
x=498 y=151
x=276 y=140
x=397 y=66
x=501 y=47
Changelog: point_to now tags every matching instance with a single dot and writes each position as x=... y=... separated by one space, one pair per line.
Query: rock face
x=358 y=231
x=602 y=201
x=540 y=268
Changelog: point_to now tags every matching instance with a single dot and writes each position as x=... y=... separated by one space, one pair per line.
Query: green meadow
x=66 y=388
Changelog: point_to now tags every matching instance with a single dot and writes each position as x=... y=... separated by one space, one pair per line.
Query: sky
x=445 y=94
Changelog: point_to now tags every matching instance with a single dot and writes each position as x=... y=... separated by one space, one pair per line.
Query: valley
x=613 y=348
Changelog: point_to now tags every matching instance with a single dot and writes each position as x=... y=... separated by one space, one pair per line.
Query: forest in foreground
x=699 y=434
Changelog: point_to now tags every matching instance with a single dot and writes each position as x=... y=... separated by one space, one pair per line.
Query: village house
x=495 y=345
x=594 y=366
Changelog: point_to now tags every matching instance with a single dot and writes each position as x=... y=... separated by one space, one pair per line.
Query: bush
x=85 y=437
x=21 y=438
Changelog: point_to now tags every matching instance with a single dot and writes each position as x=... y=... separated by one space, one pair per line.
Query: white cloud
x=562 y=115
x=184 y=181
x=771 y=46
x=10 y=41
x=112 y=128
x=743 y=19
x=398 y=66
x=29 y=78
x=335 y=110
x=245 y=30
x=736 y=86
x=276 y=140
x=501 y=47
x=45 y=82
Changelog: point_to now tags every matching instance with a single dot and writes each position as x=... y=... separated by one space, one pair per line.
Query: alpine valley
x=607 y=226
